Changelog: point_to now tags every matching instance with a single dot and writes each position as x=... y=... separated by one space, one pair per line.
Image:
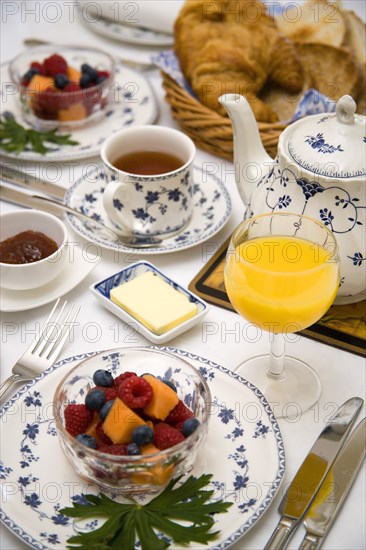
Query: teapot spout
x=250 y=158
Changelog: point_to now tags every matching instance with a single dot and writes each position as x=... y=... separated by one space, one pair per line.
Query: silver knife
x=23 y=179
x=334 y=489
x=312 y=472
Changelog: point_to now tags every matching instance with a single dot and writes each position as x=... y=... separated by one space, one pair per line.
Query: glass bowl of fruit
x=131 y=419
x=63 y=87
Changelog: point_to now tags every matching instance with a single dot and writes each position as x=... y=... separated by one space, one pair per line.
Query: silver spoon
x=132 y=242
x=139 y=65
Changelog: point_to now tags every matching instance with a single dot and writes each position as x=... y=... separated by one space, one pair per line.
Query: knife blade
x=334 y=489
x=24 y=199
x=24 y=179
x=312 y=471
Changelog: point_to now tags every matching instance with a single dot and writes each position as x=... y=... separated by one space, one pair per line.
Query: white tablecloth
x=342 y=374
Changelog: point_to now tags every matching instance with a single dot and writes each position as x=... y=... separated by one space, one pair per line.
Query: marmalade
x=26 y=247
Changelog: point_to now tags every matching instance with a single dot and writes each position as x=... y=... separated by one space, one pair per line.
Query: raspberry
x=166 y=436
x=136 y=392
x=102 y=437
x=77 y=419
x=55 y=64
x=179 y=414
x=47 y=101
x=114 y=449
x=119 y=379
x=71 y=94
x=38 y=67
x=110 y=393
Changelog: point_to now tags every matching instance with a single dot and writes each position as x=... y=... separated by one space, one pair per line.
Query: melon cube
x=120 y=422
x=73 y=74
x=164 y=399
x=39 y=84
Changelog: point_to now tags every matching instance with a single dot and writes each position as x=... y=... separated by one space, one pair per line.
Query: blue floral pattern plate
x=211 y=211
x=244 y=452
x=133 y=104
x=128 y=33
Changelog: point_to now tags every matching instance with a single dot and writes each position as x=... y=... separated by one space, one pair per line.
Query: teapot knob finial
x=346 y=108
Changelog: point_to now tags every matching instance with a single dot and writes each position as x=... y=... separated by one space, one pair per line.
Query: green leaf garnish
x=14 y=137
x=127 y=523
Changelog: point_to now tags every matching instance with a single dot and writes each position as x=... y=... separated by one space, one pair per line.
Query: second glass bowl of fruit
x=63 y=87
x=132 y=418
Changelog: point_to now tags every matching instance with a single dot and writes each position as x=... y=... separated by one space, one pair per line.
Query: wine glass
x=282 y=274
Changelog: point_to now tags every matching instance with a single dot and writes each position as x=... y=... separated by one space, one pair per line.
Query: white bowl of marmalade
x=33 y=249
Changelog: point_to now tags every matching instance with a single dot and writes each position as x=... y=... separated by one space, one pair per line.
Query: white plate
x=102 y=289
x=128 y=33
x=134 y=104
x=211 y=210
x=244 y=452
x=73 y=272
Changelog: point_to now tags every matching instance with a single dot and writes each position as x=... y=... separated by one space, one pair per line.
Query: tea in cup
x=149 y=180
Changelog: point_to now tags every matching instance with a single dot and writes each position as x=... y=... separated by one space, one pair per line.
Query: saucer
x=128 y=33
x=135 y=105
x=211 y=211
x=69 y=277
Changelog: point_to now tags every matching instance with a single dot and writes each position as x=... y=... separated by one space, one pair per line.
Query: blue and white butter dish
x=102 y=291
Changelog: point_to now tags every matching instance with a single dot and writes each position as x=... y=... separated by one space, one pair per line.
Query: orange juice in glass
x=282 y=274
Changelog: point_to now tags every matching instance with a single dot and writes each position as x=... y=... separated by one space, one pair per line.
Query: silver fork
x=45 y=349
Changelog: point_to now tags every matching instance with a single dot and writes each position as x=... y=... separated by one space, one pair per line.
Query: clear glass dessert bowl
x=62 y=87
x=141 y=473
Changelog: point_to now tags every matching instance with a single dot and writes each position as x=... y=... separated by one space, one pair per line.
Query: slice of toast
x=318 y=21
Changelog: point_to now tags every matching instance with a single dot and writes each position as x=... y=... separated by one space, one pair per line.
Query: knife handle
x=310 y=542
x=282 y=534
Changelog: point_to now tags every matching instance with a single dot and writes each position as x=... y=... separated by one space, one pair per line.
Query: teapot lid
x=332 y=144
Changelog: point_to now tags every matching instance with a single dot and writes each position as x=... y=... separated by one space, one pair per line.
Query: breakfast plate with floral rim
x=133 y=103
x=128 y=33
x=211 y=211
x=38 y=481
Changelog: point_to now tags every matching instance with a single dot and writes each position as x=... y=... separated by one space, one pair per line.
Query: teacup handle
x=108 y=203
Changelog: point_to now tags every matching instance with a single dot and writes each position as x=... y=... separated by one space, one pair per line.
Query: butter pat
x=153 y=302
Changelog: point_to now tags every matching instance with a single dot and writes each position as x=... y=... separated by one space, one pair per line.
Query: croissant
x=233 y=46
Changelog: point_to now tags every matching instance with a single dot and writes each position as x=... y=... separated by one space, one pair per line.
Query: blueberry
x=105 y=409
x=87 y=69
x=189 y=426
x=87 y=440
x=143 y=435
x=85 y=80
x=100 y=79
x=133 y=449
x=27 y=77
x=61 y=81
x=103 y=378
x=95 y=399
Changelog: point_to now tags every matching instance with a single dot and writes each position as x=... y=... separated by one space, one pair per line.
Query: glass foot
x=289 y=396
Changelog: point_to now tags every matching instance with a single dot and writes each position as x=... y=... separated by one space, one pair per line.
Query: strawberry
x=166 y=436
x=117 y=449
x=55 y=64
x=180 y=413
x=136 y=392
x=77 y=418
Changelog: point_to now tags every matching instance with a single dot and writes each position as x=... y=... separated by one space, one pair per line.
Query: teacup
x=149 y=179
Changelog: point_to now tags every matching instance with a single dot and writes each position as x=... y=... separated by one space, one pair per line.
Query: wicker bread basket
x=209 y=130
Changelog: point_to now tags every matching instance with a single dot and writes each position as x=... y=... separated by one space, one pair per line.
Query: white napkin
x=152 y=14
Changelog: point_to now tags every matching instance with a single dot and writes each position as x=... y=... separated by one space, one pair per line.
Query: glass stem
x=276 y=368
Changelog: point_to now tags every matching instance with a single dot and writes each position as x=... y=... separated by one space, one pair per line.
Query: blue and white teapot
x=319 y=171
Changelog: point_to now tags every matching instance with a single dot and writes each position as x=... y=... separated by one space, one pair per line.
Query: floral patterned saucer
x=212 y=207
x=134 y=104
x=244 y=452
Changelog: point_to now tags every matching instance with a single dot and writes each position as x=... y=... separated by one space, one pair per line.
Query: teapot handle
x=345 y=110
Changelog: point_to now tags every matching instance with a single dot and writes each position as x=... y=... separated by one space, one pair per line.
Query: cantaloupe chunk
x=91 y=430
x=39 y=83
x=74 y=112
x=120 y=422
x=73 y=74
x=157 y=475
x=164 y=399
